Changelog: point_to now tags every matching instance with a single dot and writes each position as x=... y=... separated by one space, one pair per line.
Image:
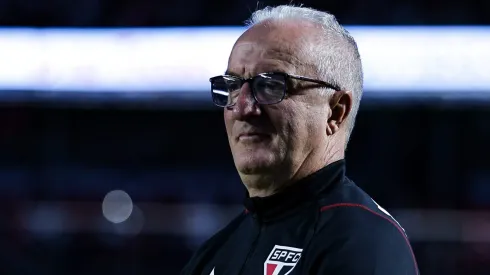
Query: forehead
x=254 y=58
x=265 y=48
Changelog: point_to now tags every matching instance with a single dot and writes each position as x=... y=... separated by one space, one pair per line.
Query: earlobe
x=329 y=129
x=332 y=127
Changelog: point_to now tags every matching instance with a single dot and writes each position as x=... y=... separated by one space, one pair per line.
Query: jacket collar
x=294 y=196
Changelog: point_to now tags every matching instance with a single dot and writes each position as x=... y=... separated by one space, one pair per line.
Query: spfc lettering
x=282 y=260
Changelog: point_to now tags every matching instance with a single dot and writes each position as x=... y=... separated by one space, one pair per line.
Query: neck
x=267 y=184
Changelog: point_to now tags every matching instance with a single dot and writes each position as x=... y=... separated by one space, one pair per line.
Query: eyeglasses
x=267 y=88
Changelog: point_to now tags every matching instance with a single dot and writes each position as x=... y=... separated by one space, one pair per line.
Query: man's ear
x=340 y=104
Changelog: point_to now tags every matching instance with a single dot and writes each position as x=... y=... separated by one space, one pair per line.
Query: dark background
x=425 y=161
x=130 y=13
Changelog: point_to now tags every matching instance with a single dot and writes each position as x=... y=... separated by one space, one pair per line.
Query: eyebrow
x=276 y=69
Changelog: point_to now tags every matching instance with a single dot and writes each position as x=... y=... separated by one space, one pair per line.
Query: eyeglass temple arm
x=328 y=85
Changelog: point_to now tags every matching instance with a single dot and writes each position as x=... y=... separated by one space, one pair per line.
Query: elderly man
x=290 y=95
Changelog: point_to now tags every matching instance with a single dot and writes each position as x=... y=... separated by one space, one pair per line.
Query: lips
x=252 y=136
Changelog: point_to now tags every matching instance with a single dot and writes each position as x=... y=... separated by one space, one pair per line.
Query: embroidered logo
x=282 y=260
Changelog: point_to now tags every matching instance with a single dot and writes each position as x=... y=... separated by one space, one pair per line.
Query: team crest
x=282 y=260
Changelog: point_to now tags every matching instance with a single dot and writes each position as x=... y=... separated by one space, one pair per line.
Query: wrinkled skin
x=297 y=136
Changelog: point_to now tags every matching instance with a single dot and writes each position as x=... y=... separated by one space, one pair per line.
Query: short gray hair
x=336 y=54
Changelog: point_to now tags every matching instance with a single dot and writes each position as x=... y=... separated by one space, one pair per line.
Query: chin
x=253 y=164
x=255 y=157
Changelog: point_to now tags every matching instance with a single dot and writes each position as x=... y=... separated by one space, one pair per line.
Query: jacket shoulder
x=355 y=233
x=349 y=196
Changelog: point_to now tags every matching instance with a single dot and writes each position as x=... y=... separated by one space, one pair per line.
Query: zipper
x=252 y=249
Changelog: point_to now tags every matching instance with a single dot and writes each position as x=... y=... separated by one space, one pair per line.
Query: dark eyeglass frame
x=254 y=92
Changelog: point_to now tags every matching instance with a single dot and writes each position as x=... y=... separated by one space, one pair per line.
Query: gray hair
x=336 y=55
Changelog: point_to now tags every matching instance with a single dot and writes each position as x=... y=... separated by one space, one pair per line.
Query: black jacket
x=324 y=224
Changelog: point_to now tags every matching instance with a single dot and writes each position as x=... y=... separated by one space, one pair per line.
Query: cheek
x=292 y=129
x=308 y=126
x=228 y=121
x=287 y=122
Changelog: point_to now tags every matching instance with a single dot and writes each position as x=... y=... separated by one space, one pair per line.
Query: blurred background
x=114 y=161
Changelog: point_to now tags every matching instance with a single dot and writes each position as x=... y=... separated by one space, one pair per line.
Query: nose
x=245 y=106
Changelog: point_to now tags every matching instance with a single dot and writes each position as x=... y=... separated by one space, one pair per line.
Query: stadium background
x=424 y=158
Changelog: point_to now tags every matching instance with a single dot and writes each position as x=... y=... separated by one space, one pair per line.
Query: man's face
x=279 y=137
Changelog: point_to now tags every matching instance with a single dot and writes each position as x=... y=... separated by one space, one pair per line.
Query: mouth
x=252 y=136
